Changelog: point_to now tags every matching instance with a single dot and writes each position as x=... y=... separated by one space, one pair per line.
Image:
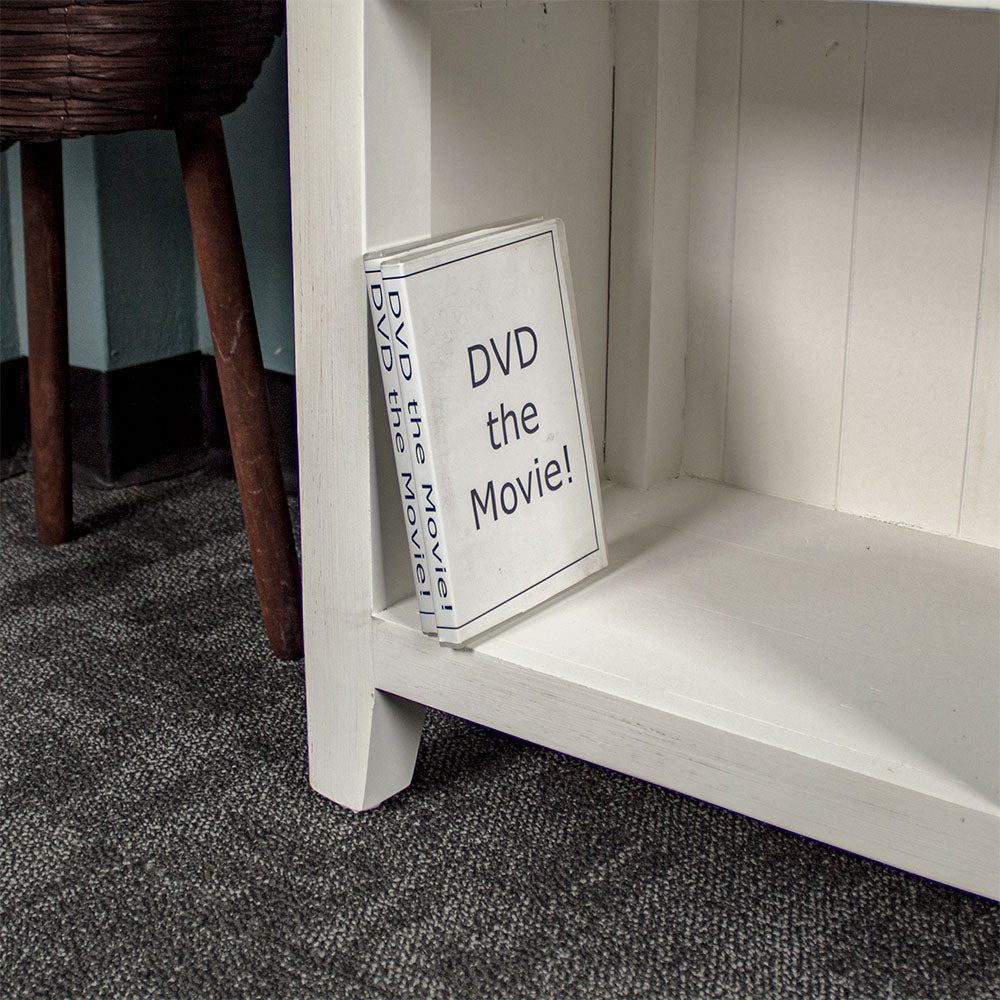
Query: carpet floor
x=158 y=836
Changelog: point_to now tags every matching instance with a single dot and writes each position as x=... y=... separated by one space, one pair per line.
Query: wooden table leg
x=48 y=338
x=219 y=247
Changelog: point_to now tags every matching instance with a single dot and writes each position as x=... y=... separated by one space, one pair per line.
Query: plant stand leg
x=48 y=338
x=221 y=261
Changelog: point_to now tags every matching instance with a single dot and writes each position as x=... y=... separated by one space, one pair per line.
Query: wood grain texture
x=229 y=304
x=48 y=339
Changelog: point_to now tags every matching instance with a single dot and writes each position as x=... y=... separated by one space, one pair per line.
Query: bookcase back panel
x=843 y=267
x=476 y=113
x=980 y=515
x=919 y=246
x=521 y=107
x=841 y=287
x=798 y=131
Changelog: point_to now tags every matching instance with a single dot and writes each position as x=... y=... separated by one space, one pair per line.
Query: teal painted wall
x=11 y=325
x=146 y=254
x=132 y=284
x=257 y=140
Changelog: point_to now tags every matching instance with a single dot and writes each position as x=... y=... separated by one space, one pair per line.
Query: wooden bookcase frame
x=870 y=748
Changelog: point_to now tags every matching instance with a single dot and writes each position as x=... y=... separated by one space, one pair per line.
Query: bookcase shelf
x=832 y=674
x=791 y=663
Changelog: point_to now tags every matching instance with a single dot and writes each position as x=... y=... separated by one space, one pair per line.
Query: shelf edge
x=901 y=827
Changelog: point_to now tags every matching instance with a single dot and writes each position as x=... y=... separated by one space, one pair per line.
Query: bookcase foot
x=364 y=753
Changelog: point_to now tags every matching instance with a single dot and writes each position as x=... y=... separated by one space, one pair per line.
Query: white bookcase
x=783 y=222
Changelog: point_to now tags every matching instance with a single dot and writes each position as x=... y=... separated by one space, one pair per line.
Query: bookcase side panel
x=361 y=744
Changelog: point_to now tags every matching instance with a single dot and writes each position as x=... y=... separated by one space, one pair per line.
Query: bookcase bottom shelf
x=832 y=675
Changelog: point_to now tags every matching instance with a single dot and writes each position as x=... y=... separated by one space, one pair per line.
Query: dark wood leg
x=48 y=338
x=222 y=264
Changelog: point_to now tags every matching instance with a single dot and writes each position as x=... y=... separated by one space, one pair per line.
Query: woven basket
x=77 y=67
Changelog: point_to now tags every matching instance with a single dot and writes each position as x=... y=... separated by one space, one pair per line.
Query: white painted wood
x=655 y=46
x=800 y=114
x=966 y=4
x=397 y=109
x=710 y=253
x=981 y=491
x=786 y=661
x=521 y=125
x=929 y=111
x=397 y=115
x=627 y=432
x=362 y=744
x=780 y=396
x=675 y=86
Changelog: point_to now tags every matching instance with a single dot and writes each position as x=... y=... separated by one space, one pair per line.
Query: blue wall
x=132 y=279
x=10 y=324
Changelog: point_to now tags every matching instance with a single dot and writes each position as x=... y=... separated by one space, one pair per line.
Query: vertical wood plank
x=930 y=100
x=48 y=339
x=675 y=103
x=710 y=262
x=655 y=46
x=631 y=268
x=521 y=125
x=981 y=495
x=799 y=128
x=397 y=112
x=362 y=744
x=397 y=122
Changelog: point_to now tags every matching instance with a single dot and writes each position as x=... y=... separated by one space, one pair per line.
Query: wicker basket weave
x=76 y=67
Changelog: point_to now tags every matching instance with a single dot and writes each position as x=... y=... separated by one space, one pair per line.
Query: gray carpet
x=158 y=837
